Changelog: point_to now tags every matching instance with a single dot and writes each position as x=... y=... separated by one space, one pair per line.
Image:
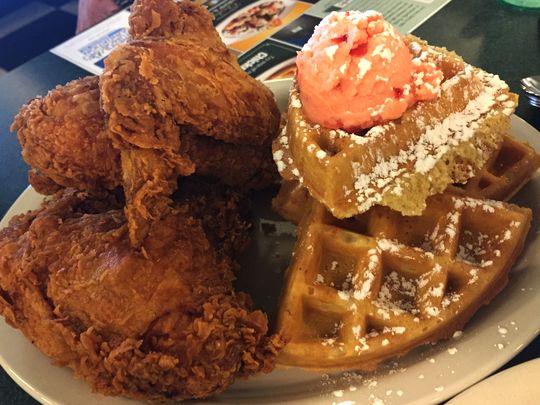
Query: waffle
x=371 y=287
x=399 y=164
x=504 y=174
x=291 y=201
x=506 y=171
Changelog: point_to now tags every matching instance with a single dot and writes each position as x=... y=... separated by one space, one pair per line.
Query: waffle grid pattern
x=374 y=286
x=504 y=173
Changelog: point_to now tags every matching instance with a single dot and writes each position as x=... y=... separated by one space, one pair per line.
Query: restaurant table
x=485 y=33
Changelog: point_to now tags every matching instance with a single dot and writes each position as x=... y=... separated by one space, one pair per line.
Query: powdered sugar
x=369 y=275
x=331 y=51
x=295 y=102
x=435 y=142
x=364 y=66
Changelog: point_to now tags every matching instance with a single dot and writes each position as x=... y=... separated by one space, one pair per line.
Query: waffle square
x=374 y=286
x=510 y=167
x=505 y=172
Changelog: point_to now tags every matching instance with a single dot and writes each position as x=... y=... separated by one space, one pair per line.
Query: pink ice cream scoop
x=356 y=71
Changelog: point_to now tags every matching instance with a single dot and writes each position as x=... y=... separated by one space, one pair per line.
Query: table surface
x=484 y=33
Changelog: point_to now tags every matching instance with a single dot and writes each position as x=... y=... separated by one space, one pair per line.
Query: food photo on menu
x=272 y=201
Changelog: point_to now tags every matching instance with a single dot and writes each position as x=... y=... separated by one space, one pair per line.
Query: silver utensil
x=531 y=87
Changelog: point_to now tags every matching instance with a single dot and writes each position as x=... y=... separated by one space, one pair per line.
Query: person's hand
x=93 y=11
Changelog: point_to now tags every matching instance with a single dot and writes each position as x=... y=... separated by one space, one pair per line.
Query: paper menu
x=264 y=34
x=88 y=49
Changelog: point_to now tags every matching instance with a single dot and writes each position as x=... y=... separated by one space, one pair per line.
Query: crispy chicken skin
x=167 y=82
x=65 y=139
x=175 y=82
x=177 y=66
x=155 y=324
x=169 y=20
x=133 y=290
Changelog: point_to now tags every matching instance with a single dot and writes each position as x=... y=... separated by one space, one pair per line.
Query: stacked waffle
x=400 y=163
x=400 y=240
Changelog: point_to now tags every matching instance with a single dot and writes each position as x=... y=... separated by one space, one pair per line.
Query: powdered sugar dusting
x=454 y=129
x=369 y=275
x=434 y=143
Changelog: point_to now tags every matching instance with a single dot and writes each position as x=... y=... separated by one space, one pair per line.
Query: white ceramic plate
x=429 y=374
x=516 y=385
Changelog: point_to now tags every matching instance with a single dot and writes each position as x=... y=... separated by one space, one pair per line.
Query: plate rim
x=476 y=389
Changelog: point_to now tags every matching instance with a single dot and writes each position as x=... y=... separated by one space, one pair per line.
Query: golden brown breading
x=245 y=166
x=167 y=81
x=151 y=86
x=64 y=138
x=160 y=323
x=175 y=80
x=169 y=20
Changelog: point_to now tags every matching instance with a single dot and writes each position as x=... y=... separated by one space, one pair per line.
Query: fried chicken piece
x=247 y=166
x=156 y=324
x=223 y=211
x=177 y=103
x=167 y=82
x=199 y=83
x=153 y=81
x=168 y=20
x=65 y=140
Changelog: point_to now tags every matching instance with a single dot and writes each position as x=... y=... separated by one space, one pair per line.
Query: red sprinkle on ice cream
x=356 y=71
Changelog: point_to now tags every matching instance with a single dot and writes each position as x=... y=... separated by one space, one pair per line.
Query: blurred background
x=30 y=27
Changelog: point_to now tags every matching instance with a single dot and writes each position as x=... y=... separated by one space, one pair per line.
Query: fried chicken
x=165 y=82
x=155 y=324
x=162 y=320
x=175 y=102
x=177 y=68
x=66 y=142
x=64 y=138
